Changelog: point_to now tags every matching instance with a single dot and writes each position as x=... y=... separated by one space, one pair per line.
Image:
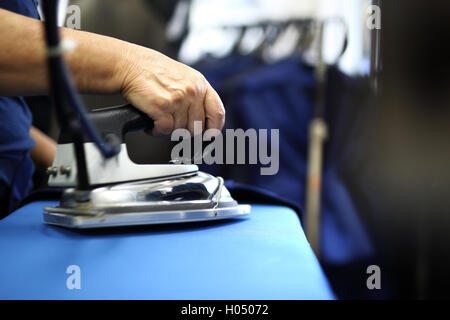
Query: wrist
x=126 y=69
x=135 y=65
x=97 y=64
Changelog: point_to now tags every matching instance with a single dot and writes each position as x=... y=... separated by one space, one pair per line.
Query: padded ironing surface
x=263 y=256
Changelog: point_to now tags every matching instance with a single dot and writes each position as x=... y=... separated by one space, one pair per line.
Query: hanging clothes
x=281 y=96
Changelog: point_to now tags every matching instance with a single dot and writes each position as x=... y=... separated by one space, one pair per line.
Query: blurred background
x=384 y=97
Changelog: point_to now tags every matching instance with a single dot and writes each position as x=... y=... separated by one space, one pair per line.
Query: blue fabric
x=16 y=167
x=23 y=7
x=281 y=96
x=263 y=256
x=249 y=193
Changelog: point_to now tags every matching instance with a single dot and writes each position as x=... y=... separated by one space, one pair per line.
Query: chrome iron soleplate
x=52 y=216
x=186 y=198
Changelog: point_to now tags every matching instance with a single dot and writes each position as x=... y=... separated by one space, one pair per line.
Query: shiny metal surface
x=185 y=198
x=101 y=171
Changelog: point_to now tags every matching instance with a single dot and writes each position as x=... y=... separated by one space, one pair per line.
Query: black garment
x=4 y=198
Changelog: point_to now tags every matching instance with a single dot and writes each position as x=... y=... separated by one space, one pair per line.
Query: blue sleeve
x=24 y=7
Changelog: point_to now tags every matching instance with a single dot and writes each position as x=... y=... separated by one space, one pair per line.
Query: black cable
x=69 y=108
x=59 y=71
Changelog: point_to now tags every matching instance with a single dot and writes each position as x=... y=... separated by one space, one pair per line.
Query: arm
x=171 y=93
x=45 y=149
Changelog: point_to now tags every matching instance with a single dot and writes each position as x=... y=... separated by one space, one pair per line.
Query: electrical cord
x=63 y=91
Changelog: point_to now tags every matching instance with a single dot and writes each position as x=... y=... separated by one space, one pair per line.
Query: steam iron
x=122 y=193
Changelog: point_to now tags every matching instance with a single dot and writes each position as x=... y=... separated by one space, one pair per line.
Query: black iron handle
x=115 y=122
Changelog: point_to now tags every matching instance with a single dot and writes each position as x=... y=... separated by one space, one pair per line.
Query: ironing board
x=262 y=257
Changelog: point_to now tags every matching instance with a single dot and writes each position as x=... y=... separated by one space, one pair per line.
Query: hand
x=171 y=93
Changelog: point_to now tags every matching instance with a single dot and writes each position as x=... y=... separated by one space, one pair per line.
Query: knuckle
x=177 y=97
x=192 y=90
x=197 y=87
x=164 y=104
x=219 y=113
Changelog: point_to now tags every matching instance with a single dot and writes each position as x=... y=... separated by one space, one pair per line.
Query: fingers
x=196 y=114
x=214 y=110
x=163 y=126
x=181 y=116
x=207 y=109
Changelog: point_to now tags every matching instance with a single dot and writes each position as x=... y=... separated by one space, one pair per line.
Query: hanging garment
x=281 y=96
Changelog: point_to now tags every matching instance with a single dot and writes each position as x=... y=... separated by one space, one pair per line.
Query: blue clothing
x=281 y=96
x=24 y=7
x=16 y=167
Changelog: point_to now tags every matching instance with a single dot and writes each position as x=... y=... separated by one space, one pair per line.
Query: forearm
x=93 y=64
x=45 y=149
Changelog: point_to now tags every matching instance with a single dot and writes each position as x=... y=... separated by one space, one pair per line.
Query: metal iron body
x=123 y=193
x=185 y=198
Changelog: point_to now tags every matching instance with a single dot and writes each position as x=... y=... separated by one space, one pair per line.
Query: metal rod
x=318 y=133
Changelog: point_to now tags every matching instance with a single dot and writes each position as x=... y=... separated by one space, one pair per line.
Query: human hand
x=171 y=93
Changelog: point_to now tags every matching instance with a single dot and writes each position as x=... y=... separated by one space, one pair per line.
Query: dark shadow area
x=408 y=168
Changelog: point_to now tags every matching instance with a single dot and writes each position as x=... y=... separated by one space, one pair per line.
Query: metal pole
x=318 y=133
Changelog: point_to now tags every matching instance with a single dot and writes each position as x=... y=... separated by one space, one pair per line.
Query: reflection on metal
x=186 y=198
